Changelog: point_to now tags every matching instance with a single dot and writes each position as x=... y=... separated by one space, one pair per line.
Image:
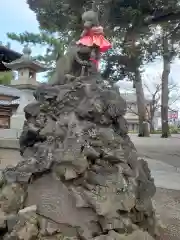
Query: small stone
x=2 y=220
x=96 y=179
x=110 y=224
x=136 y=235
x=11 y=236
x=42 y=225
x=144 y=205
x=81 y=164
x=62 y=237
x=59 y=171
x=28 y=210
x=49 y=128
x=96 y=143
x=135 y=227
x=70 y=174
x=12 y=220
x=125 y=170
x=103 y=237
x=115 y=235
x=114 y=156
x=32 y=109
x=78 y=195
x=52 y=228
x=11 y=198
x=91 y=153
x=2 y=180
x=28 y=232
x=48 y=227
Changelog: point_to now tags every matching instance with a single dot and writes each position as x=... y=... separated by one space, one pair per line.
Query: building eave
x=12 y=55
x=19 y=64
x=10 y=91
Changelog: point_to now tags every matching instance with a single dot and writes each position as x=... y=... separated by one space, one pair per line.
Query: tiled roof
x=11 y=52
x=28 y=63
x=7 y=103
x=9 y=91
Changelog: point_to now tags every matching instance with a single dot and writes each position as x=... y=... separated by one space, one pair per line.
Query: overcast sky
x=15 y=16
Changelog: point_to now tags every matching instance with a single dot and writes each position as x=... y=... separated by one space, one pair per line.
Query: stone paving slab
x=165 y=175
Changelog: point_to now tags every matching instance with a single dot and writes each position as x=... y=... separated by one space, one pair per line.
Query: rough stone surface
x=2 y=220
x=11 y=198
x=81 y=177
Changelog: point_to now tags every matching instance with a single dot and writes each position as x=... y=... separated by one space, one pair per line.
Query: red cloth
x=96 y=62
x=95 y=36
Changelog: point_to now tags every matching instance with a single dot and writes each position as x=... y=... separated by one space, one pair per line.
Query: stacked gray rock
x=81 y=177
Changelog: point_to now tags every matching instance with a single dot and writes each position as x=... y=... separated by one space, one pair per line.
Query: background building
x=9 y=102
x=7 y=55
x=132 y=111
x=172 y=118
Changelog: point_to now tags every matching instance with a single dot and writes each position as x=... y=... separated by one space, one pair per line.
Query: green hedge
x=130 y=131
x=173 y=130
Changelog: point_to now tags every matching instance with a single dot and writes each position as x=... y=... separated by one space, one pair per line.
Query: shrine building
x=9 y=97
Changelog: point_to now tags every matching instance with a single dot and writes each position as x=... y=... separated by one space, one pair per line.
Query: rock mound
x=81 y=177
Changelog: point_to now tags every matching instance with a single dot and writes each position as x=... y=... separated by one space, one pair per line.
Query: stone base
x=81 y=177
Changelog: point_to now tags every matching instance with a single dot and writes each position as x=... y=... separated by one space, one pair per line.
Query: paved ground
x=163 y=157
x=155 y=147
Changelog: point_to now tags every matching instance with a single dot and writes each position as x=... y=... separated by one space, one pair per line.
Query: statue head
x=90 y=19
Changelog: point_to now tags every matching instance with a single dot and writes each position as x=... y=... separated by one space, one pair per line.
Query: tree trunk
x=165 y=91
x=152 y=130
x=133 y=52
x=151 y=117
x=143 y=124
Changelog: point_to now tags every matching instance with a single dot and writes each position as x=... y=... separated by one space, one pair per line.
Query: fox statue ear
x=94 y=7
x=95 y=10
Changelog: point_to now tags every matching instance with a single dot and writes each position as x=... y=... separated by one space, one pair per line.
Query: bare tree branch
x=174 y=31
x=130 y=108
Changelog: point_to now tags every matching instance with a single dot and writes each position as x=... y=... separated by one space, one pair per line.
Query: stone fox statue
x=93 y=36
x=72 y=64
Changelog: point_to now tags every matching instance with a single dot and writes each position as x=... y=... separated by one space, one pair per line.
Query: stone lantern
x=27 y=69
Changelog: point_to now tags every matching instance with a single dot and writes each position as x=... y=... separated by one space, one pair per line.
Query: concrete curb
x=9 y=143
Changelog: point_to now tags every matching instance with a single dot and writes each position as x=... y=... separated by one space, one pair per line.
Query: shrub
x=174 y=130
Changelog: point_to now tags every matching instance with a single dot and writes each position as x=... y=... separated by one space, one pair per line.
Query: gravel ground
x=167 y=204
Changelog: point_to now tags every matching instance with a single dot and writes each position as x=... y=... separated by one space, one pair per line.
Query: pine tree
x=6 y=77
x=54 y=43
x=125 y=20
